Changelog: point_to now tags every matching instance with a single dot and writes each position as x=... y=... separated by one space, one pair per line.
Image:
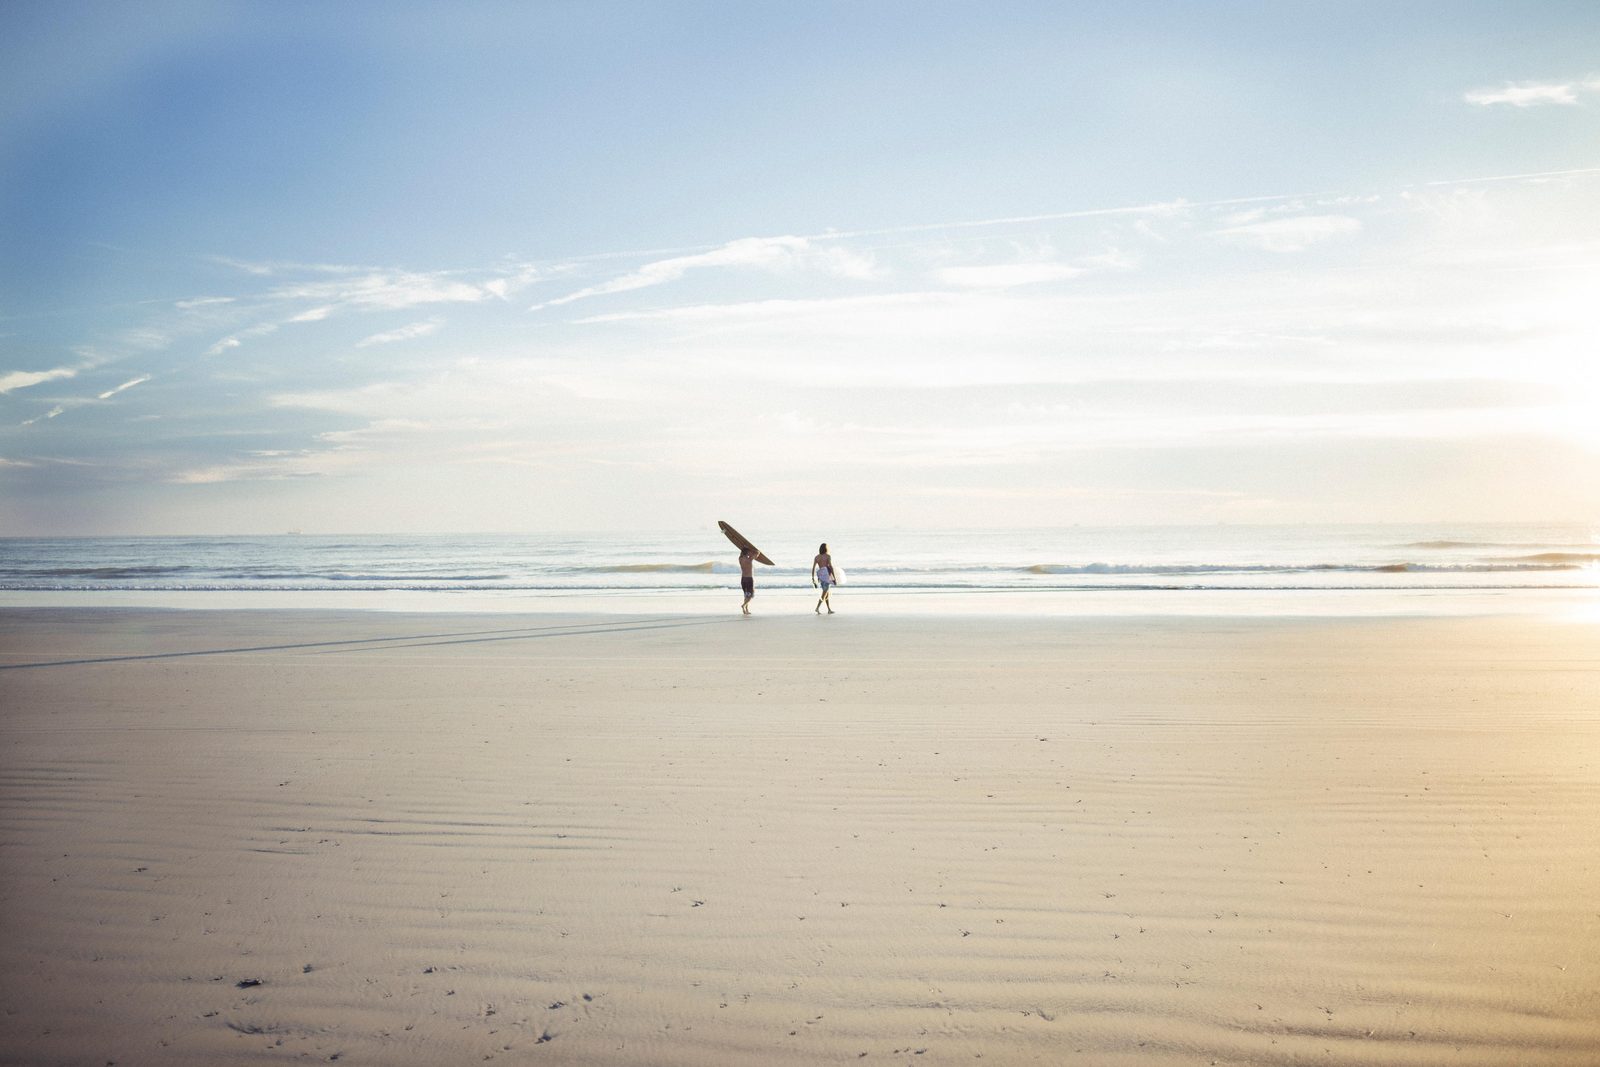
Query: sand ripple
x=1154 y=844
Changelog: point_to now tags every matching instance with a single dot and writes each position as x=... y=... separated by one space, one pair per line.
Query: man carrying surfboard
x=747 y=576
x=748 y=554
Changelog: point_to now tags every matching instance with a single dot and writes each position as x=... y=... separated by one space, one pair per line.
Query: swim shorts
x=748 y=585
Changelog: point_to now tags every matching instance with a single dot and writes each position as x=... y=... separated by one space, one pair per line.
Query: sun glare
x=1574 y=367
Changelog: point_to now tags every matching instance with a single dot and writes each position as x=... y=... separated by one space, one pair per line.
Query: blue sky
x=561 y=266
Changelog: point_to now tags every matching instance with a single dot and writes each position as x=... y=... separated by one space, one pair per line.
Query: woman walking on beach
x=822 y=575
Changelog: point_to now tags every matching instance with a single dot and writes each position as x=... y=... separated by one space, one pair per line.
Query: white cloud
x=844 y=263
x=404 y=333
x=22 y=379
x=520 y=278
x=147 y=338
x=1163 y=209
x=763 y=253
x=1290 y=234
x=262 y=270
x=1532 y=94
x=258 y=269
x=383 y=290
x=1534 y=176
x=1027 y=494
x=273 y=465
x=4 y=462
x=1007 y=275
x=109 y=393
x=236 y=472
x=52 y=413
x=202 y=301
x=1243 y=218
x=235 y=340
x=1038 y=270
x=777 y=311
x=955 y=347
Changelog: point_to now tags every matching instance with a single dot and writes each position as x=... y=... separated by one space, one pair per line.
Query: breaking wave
x=659 y=568
x=105 y=573
x=1529 y=564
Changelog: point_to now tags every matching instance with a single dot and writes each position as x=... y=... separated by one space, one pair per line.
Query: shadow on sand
x=370 y=644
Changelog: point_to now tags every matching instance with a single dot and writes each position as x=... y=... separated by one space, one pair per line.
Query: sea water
x=1153 y=568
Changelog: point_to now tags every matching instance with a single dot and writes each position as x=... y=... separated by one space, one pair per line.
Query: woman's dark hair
x=822 y=549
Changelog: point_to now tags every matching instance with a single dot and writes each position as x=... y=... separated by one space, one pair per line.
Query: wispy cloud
x=237 y=339
x=520 y=277
x=1159 y=209
x=109 y=393
x=765 y=253
x=1533 y=94
x=840 y=255
x=1532 y=176
x=324 y=289
x=263 y=470
x=776 y=311
x=1008 y=275
x=262 y=269
x=1029 y=272
x=52 y=413
x=1290 y=234
x=390 y=291
x=974 y=349
x=272 y=465
x=22 y=379
x=404 y=333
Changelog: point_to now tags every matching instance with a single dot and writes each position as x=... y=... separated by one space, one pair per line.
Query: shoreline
x=1578 y=603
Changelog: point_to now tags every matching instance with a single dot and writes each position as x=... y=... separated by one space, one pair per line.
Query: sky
x=584 y=266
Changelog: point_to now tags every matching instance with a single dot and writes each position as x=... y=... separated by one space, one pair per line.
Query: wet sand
x=254 y=837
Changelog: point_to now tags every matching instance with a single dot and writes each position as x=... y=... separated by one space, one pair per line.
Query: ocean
x=1150 y=567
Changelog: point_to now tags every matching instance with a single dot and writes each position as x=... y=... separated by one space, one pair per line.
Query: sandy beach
x=263 y=836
